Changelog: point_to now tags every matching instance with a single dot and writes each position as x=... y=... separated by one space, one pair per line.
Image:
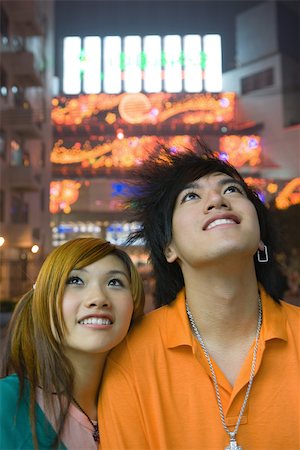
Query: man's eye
x=189 y=196
x=233 y=188
x=74 y=280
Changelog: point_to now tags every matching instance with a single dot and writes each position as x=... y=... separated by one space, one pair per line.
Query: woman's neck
x=88 y=371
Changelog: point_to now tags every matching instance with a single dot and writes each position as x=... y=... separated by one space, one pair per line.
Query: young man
x=218 y=366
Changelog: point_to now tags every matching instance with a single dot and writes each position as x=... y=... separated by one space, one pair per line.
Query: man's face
x=212 y=218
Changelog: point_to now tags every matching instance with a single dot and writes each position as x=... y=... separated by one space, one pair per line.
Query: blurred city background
x=88 y=88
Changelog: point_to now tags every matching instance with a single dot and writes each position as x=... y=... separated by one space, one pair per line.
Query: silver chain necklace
x=233 y=445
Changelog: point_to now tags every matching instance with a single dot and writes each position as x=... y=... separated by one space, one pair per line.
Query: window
x=257 y=81
x=2 y=206
x=19 y=96
x=16 y=153
x=2 y=145
x=3 y=83
x=19 y=209
x=36 y=234
x=43 y=154
x=42 y=200
x=4 y=26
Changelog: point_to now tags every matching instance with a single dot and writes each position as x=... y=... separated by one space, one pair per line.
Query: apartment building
x=267 y=81
x=26 y=70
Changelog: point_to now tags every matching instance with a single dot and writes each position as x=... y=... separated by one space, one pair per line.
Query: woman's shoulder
x=12 y=436
x=9 y=393
x=14 y=418
x=9 y=385
x=10 y=379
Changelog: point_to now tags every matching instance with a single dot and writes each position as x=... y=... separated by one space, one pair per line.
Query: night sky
x=121 y=18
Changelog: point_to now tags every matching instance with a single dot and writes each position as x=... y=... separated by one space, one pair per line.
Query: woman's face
x=97 y=306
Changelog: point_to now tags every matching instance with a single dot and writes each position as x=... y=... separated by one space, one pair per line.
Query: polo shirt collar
x=177 y=324
x=178 y=327
x=274 y=324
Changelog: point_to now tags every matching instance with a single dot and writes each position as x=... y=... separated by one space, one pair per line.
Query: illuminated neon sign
x=148 y=64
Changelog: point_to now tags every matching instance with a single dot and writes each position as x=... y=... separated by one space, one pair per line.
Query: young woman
x=86 y=296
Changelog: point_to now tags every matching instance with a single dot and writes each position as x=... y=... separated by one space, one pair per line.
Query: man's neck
x=225 y=311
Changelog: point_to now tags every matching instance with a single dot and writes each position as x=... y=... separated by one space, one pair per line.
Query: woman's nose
x=97 y=298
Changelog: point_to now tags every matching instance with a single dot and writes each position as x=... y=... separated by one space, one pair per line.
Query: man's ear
x=170 y=254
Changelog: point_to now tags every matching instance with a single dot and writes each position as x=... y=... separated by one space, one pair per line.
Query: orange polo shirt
x=157 y=390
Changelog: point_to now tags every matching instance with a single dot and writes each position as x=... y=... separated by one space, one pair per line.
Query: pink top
x=77 y=432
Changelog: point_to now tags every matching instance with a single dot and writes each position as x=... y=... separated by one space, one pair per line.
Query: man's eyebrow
x=221 y=182
x=191 y=185
x=229 y=180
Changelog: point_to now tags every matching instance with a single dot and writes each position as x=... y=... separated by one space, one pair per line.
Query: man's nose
x=216 y=200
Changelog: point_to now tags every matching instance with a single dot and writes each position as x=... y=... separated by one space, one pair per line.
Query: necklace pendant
x=96 y=435
x=233 y=445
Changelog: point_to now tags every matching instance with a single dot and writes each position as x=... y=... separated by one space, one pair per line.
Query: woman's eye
x=115 y=282
x=74 y=280
x=189 y=196
x=234 y=188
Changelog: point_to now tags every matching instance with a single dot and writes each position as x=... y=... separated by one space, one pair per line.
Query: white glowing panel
x=172 y=57
x=132 y=66
x=213 y=63
x=72 y=65
x=91 y=65
x=151 y=63
x=112 y=64
x=192 y=63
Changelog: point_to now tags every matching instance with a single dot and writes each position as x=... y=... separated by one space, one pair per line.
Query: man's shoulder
x=145 y=333
x=145 y=326
x=150 y=319
x=291 y=319
x=292 y=311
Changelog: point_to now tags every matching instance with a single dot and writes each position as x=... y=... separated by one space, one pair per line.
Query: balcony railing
x=25 y=17
x=21 y=121
x=20 y=235
x=23 y=68
x=23 y=179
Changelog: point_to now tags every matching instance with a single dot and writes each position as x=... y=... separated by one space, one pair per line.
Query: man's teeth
x=95 y=321
x=217 y=222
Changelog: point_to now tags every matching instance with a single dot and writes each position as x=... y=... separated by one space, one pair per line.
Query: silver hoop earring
x=262 y=255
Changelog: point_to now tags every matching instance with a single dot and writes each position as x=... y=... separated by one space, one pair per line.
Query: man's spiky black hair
x=157 y=183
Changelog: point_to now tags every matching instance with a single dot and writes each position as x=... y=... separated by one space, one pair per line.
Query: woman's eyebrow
x=117 y=272
x=109 y=272
x=78 y=270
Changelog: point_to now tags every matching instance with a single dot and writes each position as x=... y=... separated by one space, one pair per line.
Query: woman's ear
x=170 y=254
x=261 y=246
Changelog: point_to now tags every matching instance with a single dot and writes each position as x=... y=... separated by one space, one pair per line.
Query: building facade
x=26 y=65
x=267 y=81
